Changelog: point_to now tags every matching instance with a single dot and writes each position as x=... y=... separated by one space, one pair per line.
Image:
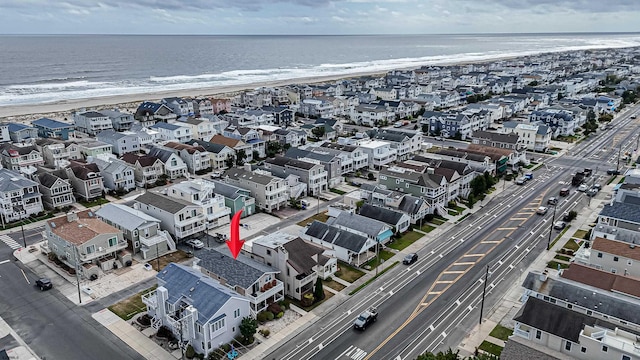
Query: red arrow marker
x=235 y=244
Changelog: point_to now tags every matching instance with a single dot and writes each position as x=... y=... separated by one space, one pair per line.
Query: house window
x=629 y=262
x=567 y=345
x=91 y=249
x=236 y=313
x=613 y=270
x=615 y=258
x=538 y=334
x=600 y=255
x=626 y=357
x=268 y=252
x=113 y=241
x=218 y=325
x=605 y=348
x=583 y=349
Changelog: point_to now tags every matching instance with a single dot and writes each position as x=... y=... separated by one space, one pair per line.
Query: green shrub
x=265 y=332
x=274 y=308
x=190 y=353
x=270 y=315
x=262 y=316
x=285 y=304
x=226 y=347
x=280 y=314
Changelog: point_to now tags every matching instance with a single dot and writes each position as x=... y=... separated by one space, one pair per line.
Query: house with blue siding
x=53 y=128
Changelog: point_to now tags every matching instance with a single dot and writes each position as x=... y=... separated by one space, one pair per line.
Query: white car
x=542 y=210
x=583 y=187
x=195 y=243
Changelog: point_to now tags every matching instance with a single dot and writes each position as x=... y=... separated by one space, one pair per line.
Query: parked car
x=195 y=243
x=528 y=176
x=521 y=181
x=592 y=192
x=410 y=259
x=542 y=210
x=44 y=284
x=559 y=225
x=365 y=319
x=552 y=200
x=613 y=172
x=583 y=187
x=597 y=186
x=564 y=192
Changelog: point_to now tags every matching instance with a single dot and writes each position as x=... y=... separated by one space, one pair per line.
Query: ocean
x=45 y=69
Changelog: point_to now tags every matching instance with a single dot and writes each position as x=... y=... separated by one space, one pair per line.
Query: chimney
x=72 y=216
x=430 y=170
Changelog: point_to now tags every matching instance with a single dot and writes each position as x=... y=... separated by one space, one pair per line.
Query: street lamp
x=24 y=240
x=551 y=228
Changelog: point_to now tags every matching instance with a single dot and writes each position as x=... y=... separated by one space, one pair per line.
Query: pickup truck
x=366 y=318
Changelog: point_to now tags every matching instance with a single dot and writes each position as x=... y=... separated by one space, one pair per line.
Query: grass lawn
x=491 y=348
x=579 y=234
x=572 y=244
x=611 y=179
x=327 y=296
x=384 y=256
x=501 y=332
x=338 y=191
x=562 y=257
x=560 y=235
x=96 y=202
x=452 y=212
x=128 y=308
x=554 y=265
x=322 y=217
x=406 y=240
x=427 y=228
x=333 y=284
x=348 y=273
x=176 y=257
x=373 y=278
x=437 y=221
x=621 y=180
x=29 y=220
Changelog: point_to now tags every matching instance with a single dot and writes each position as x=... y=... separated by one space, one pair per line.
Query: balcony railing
x=150 y=300
x=262 y=295
x=101 y=251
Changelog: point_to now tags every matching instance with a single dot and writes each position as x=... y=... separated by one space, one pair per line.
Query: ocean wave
x=57 y=89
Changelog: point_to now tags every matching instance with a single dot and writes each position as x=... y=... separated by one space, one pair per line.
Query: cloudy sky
x=315 y=16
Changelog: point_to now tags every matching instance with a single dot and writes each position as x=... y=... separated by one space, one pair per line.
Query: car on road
x=44 y=284
x=583 y=187
x=559 y=225
x=552 y=200
x=542 y=210
x=410 y=259
x=597 y=186
x=366 y=318
x=613 y=172
x=564 y=192
x=195 y=243
x=521 y=181
x=592 y=192
x=439 y=138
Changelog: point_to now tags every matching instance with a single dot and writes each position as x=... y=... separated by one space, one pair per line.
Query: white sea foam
x=59 y=89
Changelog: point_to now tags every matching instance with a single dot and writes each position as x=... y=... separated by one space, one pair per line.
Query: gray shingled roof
x=385 y=215
x=553 y=319
x=128 y=218
x=622 y=211
x=227 y=190
x=166 y=203
x=359 y=223
x=201 y=291
x=10 y=181
x=242 y=272
x=336 y=236
x=288 y=162
x=410 y=204
x=236 y=173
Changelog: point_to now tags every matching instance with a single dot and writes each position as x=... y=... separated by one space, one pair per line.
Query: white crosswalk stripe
x=10 y=242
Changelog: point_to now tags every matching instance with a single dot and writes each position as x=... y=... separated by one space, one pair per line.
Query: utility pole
x=619 y=151
x=24 y=240
x=377 y=257
x=75 y=258
x=157 y=257
x=551 y=228
x=484 y=293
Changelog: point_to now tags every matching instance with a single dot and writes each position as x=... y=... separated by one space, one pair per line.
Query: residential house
x=357 y=158
x=141 y=231
x=561 y=122
x=502 y=158
x=240 y=148
x=362 y=225
x=90 y=147
x=49 y=128
x=19 y=197
x=398 y=221
x=202 y=107
x=147 y=169
x=283 y=115
x=385 y=93
x=92 y=122
x=221 y=105
x=535 y=137
x=195 y=308
x=295 y=186
x=121 y=142
x=614 y=256
x=201 y=129
x=320 y=108
x=86 y=244
x=370 y=114
x=180 y=218
x=450 y=124
x=350 y=247
x=202 y=192
x=4 y=132
x=174 y=167
x=293 y=138
x=173 y=132
x=250 y=137
x=379 y=153
x=300 y=263
x=406 y=142
x=120 y=121
x=270 y=192
x=313 y=174
x=20 y=132
x=21 y=157
x=179 y=106
x=117 y=175
x=236 y=198
x=196 y=157
x=57 y=154
x=219 y=155
x=255 y=281
x=56 y=190
x=330 y=159
x=86 y=180
x=618 y=220
x=148 y=113
x=509 y=141
x=429 y=186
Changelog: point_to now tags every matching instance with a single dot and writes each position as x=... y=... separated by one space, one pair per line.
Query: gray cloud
x=575 y=5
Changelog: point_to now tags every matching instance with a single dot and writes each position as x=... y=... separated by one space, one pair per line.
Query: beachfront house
x=141 y=231
x=87 y=244
x=86 y=180
x=174 y=167
x=119 y=120
x=53 y=128
x=180 y=218
x=196 y=308
x=255 y=281
x=121 y=142
x=4 y=132
x=202 y=192
x=270 y=192
x=56 y=190
x=20 y=132
x=173 y=131
x=179 y=106
x=19 y=197
x=202 y=106
x=91 y=122
x=147 y=169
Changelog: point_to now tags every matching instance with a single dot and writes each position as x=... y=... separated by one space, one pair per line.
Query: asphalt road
x=430 y=305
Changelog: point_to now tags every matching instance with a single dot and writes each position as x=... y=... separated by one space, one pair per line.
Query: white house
x=201 y=192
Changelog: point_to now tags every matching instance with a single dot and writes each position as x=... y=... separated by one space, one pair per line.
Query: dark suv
x=410 y=259
x=44 y=284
